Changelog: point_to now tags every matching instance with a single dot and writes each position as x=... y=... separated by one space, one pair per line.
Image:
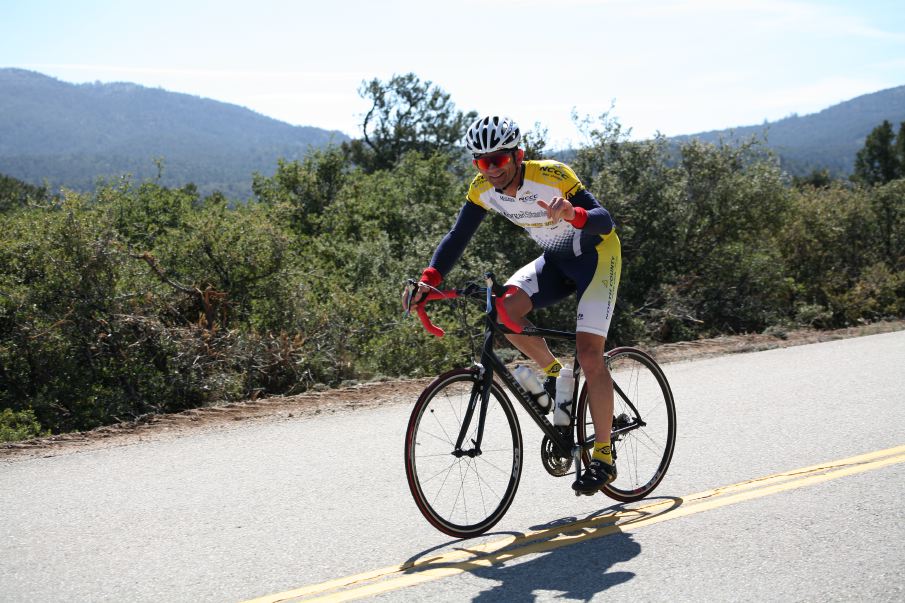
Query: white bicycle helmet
x=492 y=133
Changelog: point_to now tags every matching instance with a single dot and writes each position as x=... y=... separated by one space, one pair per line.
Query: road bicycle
x=463 y=444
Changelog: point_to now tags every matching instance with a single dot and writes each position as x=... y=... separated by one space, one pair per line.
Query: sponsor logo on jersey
x=554 y=171
x=523 y=215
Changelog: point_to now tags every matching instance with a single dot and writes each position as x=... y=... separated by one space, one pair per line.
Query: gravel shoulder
x=368 y=395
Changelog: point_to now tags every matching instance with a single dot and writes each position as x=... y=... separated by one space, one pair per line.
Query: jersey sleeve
x=453 y=244
x=599 y=220
x=571 y=185
x=478 y=186
x=596 y=220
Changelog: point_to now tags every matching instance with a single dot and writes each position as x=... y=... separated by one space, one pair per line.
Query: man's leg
x=600 y=383
x=600 y=400
x=517 y=307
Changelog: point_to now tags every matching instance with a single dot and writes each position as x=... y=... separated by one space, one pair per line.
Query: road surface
x=787 y=484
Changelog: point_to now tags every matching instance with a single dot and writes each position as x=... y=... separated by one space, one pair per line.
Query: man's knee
x=589 y=349
x=517 y=305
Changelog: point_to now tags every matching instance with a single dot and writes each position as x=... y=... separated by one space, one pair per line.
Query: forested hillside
x=71 y=135
x=827 y=140
x=140 y=298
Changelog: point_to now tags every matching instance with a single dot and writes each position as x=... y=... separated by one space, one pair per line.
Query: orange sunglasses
x=498 y=160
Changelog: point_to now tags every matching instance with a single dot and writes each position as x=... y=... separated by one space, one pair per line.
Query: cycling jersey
x=541 y=181
x=581 y=256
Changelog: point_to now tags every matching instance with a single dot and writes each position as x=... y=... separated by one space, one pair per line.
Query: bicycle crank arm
x=576 y=459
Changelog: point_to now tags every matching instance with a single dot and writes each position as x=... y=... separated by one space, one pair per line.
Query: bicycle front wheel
x=644 y=424
x=462 y=492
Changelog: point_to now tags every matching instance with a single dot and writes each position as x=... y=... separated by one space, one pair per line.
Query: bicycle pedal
x=580 y=492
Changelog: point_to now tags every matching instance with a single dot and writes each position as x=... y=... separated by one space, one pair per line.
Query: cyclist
x=581 y=253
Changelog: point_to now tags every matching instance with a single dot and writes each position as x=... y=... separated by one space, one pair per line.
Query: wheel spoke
x=501 y=470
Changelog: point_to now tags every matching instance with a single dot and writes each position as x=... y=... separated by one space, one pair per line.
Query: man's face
x=499 y=168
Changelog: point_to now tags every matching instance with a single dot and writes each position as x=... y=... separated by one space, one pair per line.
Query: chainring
x=555 y=465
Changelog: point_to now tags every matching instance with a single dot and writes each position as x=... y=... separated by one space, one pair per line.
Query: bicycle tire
x=643 y=454
x=462 y=496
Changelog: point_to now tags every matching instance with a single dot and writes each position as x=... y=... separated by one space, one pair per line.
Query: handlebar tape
x=422 y=312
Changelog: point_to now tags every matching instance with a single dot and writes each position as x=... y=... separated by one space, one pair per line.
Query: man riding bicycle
x=581 y=253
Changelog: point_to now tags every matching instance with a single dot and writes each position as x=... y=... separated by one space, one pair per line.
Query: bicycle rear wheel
x=463 y=492
x=644 y=424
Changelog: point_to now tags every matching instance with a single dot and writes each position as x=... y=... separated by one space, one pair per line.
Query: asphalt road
x=774 y=493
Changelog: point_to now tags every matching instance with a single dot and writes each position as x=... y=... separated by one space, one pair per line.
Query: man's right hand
x=430 y=277
x=412 y=296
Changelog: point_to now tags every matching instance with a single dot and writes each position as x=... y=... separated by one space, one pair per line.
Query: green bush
x=145 y=299
x=843 y=247
x=20 y=425
x=878 y=293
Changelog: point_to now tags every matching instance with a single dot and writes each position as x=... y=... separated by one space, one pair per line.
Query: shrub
x=20 y=425
x=145 y=299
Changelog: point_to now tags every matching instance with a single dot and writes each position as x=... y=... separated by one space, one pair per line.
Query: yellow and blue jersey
x=541 y=180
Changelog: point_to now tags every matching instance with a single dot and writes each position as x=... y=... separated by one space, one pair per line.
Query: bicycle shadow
x=576 y=572
x=571 y=557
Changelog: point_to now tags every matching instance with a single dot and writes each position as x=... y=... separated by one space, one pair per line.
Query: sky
x=657 y=66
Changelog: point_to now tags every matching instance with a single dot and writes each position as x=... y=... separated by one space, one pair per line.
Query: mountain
x=827 y=140
x=72 y=134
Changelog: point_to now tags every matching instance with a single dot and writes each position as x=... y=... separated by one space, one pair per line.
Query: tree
x=302 y=190
x=816 y=179
x=15 y=193
x=881 y=159
x=900 y=149
x=406 y=115
x=535 y=142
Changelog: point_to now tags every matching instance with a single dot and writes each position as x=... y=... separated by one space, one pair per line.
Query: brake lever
x=410 y=288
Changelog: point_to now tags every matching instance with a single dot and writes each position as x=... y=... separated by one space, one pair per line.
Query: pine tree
x=900 y=149
x=880 y=161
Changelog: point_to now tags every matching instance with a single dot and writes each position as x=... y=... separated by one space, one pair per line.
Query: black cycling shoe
x=597 y=475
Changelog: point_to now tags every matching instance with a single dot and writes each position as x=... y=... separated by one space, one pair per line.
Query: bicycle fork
x=479 y=391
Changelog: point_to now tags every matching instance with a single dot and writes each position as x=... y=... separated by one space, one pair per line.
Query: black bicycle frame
x=490 y=364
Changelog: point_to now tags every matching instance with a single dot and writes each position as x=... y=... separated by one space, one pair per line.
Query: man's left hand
x=558 y=209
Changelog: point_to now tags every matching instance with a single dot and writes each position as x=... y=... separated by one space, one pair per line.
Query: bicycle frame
x=490 y=364
x=563 y=438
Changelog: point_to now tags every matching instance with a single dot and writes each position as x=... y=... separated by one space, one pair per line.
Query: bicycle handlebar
x=422 y=311
x=470 y=291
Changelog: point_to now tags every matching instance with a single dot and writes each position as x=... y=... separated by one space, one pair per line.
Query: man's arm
x=453 y=244
x=590 y=216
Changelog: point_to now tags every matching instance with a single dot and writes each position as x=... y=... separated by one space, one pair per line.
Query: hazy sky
x=675 y=67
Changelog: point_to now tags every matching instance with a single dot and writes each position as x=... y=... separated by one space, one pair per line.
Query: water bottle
x=565 y=386
x=528 y=380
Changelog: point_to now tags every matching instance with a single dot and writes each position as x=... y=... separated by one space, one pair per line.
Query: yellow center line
x=514 y=546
